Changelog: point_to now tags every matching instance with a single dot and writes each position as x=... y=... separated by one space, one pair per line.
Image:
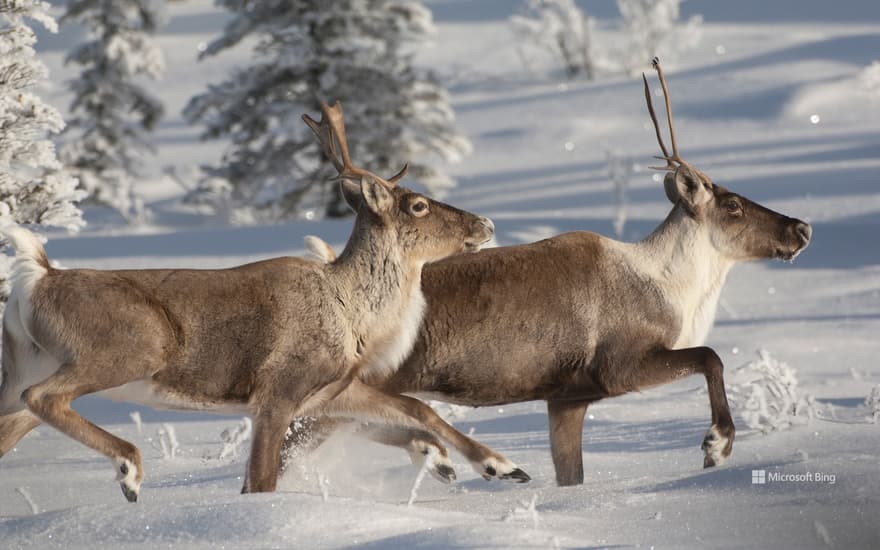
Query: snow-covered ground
x=778 y=104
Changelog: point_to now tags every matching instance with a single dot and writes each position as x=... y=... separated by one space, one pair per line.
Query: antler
x=675 y=157
x=331 y=135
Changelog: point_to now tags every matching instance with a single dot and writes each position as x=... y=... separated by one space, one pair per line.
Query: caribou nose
x=482 y=230
x=487 y=223
x=804 y=231
x=483 y=226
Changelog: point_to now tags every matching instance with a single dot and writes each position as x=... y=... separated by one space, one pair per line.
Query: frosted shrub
x=356 y=51
x=168 y=443
x=873 y=404
x=869 y=79
x=767 y=397
x=234 y=438
x=652 y=28
x=561 y=28
x=620 y=170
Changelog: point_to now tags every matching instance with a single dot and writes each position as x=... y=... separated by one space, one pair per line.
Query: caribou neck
x=392 y=281
x=689 y=270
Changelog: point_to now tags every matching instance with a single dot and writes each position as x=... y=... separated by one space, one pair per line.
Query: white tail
x=30 y=263
x=319 y=249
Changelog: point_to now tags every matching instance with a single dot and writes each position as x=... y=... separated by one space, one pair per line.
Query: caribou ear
x=351 y=192
x=686 y=186
x=376 y=196
x=670 y=188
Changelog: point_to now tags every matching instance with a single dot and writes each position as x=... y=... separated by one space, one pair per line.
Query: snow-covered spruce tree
x=356 y=51
x=652 y=29
x=113 y=115
x=33 y=189
x=560 y=27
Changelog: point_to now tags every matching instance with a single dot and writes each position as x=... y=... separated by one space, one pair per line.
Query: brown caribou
x=579 y=317
x=273 y=339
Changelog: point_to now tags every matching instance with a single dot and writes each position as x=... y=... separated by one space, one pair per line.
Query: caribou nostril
x=804 y=230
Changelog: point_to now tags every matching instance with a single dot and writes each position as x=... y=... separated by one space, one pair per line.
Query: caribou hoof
x=501 y=468
x=717 y=446
x=130 y=494
x=126 y=475
x=443 y=473
x=518 y=476
x=440 y=468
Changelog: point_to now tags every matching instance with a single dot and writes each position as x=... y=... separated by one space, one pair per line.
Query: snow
x=743 y=117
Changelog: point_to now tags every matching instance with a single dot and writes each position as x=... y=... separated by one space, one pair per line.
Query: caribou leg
x=15 y=426
x=362 y=401
x=50 y=402
x=666 y=366
x=306 y=435
x=566 y=438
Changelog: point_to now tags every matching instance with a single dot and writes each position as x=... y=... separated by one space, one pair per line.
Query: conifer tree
x=356 y=51
x=112 y=113
x=33 y=187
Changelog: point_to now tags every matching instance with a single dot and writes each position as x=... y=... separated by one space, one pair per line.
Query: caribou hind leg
x=50 y=401
x=15 y=426
x=307 y=434
x=669 y=365
x=362 y=401
x=417 y=443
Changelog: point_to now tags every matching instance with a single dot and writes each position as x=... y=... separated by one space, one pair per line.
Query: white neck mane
x=385 y=309
x=680 y=257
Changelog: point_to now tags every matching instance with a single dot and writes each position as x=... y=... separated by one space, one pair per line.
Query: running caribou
x=579 y=317
x=273 y=339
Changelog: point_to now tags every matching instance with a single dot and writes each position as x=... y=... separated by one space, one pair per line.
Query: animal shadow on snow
x=601 y=436
x=728 y=477
x=442 y=538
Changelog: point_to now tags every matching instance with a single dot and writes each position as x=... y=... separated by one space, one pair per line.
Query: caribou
x=274 y=339
x=580 y=317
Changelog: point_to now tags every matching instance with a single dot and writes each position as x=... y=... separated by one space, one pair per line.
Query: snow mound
x=766 y=395
x=844 y=98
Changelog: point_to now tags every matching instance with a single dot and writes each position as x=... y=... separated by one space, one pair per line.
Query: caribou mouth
x=474 y=246
x=788 y=255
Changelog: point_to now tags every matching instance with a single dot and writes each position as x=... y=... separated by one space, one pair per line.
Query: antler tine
x=656 y=125
x=675 y=156
x=399 y=175
x=331 y=134
x=322 y=132
x=336 y=126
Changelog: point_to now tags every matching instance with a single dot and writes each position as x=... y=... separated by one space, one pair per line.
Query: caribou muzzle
x=482 y=230
x=797 y=237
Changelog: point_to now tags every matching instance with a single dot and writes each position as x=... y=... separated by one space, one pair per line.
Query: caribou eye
x=419 y=208
x=733 y=207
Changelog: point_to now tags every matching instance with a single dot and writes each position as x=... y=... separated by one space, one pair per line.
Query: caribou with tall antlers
x=579 y=317
x=273 y=339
